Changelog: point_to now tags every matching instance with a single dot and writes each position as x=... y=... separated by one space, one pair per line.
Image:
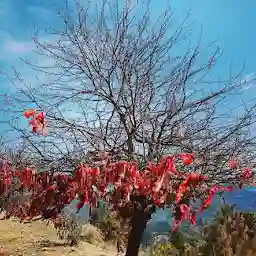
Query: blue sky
x=229 y=22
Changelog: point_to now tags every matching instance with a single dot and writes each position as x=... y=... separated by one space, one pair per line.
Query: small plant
x=164 y=249
x=180 y=244
x=68 y=228
x=109 y=226
x=91 y=234
x=113 y=229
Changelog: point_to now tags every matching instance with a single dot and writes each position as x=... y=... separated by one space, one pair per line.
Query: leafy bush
x=109 y=226
x=164 y=249
x=180 y=243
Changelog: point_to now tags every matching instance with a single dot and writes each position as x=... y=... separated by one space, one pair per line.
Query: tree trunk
x=90 y=214
x=139 y=223
x=94 y=213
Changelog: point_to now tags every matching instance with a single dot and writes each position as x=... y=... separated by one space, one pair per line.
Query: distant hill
x=244 y=200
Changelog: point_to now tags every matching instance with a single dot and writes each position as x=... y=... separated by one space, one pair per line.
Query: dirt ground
x=38 y=239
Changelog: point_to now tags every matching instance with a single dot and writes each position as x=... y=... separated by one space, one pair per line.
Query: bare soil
x=39 y=239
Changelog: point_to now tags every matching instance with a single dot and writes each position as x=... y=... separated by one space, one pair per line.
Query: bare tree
x=118 y=84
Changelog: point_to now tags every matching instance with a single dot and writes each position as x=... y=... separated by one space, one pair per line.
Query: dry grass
x=91 y=234
x=37 y=239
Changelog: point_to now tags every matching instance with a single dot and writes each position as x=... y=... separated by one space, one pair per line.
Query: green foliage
x=109 y=226
x=164 y=249
x=112 y=228
x=179 y=240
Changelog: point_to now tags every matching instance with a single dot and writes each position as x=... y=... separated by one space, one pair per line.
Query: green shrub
x=164 y=249
x=109 y=226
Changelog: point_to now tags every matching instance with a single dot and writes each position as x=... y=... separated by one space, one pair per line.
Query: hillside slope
x=40 y=240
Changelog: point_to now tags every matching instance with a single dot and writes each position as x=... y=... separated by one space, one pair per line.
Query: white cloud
x=11 y=48
x=41 y=11
x=11 y=51
x=248 y=78
x=248 y=82
x=4 y=8
x=15 y=47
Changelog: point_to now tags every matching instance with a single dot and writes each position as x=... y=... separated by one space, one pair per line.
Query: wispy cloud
x=45 y=13
x=249 y=77
x=248 y=82
x=4 y=9
x=10 y=47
